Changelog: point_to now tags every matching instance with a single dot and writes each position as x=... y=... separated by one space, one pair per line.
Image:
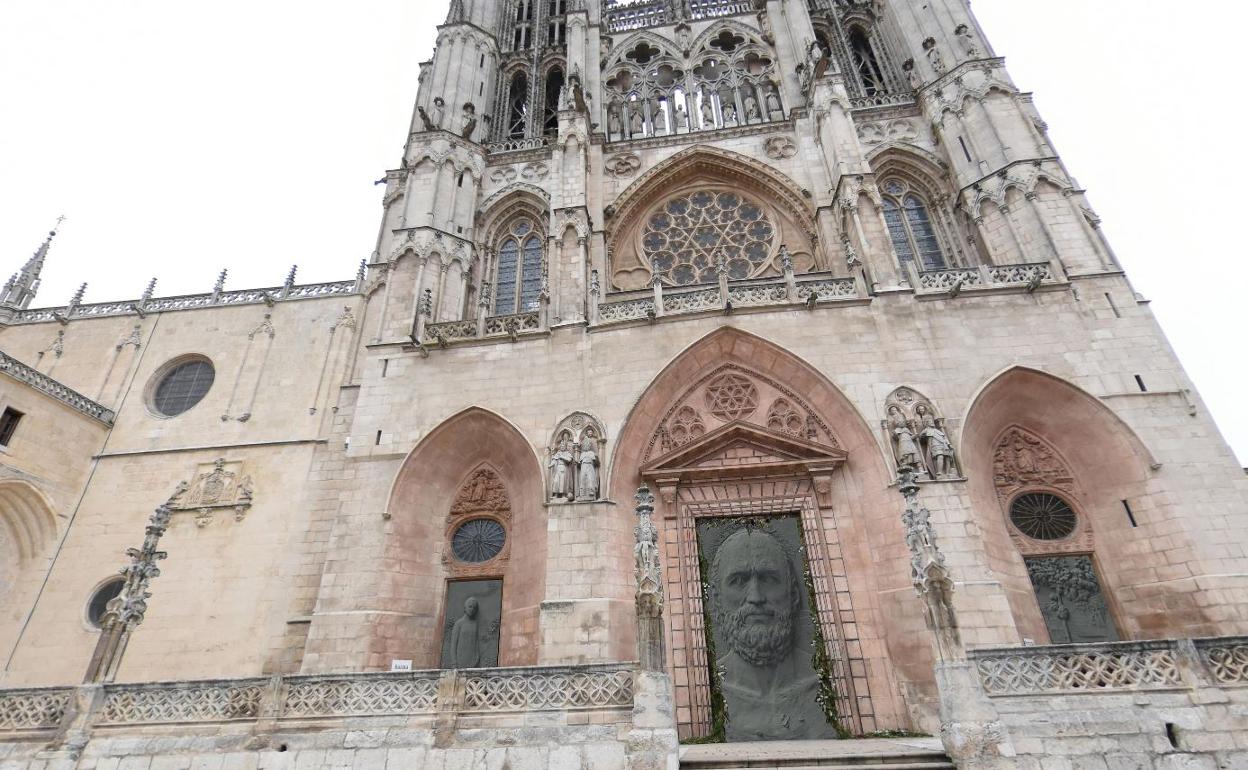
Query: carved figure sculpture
x=751 y=109
x=438 y=111
x=708 y=112
x=730 y=114
x=770 y=691
x=966 y=40
x=561 y=472
x=466 y=637
x=939 y=448
x=658 y=116
x=636 y=124
x=682 y=118
x=587 y=476
x=912 y=74
x=933 y=56
x=906 y=447
x=613 y=123
x=424 y=118
x=773 y=101
x=470 y=120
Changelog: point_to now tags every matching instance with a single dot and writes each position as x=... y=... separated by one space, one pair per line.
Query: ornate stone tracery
x=482 y=496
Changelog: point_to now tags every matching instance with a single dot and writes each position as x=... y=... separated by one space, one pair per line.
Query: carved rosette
x=483 y=495
x=217 y=486
x=1023 y=463
x=733 y=393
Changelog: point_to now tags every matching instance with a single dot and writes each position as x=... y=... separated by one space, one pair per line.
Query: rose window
x=1042 y=516
x=687 y=237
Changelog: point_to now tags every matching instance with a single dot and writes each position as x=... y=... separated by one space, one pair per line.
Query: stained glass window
x=478 y=540
x=518 y=277
x=687 y=236
x=910 y=227
x=1042 y=516
x=182 y=387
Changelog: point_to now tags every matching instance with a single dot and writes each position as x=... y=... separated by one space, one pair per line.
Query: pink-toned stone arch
x=868 y=531
x=420 y=505
x=1108 y=464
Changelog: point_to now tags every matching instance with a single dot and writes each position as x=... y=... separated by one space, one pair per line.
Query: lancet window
x=910 y=226
x=554 y=84
x=517 y=106
x=730 y=81
x=853 y=35
x=518 y=273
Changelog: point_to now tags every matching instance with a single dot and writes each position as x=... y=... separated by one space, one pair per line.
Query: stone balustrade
x=955 y=280
x=50 y=387
x=188 y=302
x=327 y=697
x=656 y=13
x=499 y=327
x=1147 y=665
x=728 y=296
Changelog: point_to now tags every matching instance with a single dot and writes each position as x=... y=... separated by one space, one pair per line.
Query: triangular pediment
x=743 y=449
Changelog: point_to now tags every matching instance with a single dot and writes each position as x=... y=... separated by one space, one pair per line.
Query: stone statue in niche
x=587 y=476
x=470 y=120
x=576 y=459
x=773 y=101
x=905 y=448
x=933 y=56
x=438 y=111
x=658 y=117
x=751 y=109
x=473 y=623
x=939 y=448
x=730 y=114
x=614 y=126
x=966 y=40
x=918 y=436
x=636 y=123
x=561 y=460
x=708 y=112
x=763 y=630
x=682 y=118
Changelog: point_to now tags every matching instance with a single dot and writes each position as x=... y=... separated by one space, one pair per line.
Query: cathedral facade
x=724 y=370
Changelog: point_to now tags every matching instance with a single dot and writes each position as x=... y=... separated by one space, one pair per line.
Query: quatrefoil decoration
x=643 y=53
x=727 y=41
x=731 y=397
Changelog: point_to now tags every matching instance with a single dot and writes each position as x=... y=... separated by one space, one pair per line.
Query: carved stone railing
x=29 y=710
x=322 y=698
x=48 y=386
x=711 y=9
x=166 y=703
x=894 y=99
x=492 y=327
x=626 y=18
x=728 y=296
x=516 y=145
x=954 y=280
x=360 y=695
x=1225 y=658
x=1080 y=668
x=542 y=690
x=188 y=302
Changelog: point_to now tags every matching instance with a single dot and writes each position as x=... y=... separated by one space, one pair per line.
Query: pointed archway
x=737 y=430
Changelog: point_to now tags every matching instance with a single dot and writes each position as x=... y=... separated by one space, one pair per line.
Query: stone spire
x=21 y=288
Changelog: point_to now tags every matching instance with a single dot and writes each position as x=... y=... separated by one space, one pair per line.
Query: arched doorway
x=767 y=475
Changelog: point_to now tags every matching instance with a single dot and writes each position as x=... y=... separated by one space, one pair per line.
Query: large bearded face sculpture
x=754 y=596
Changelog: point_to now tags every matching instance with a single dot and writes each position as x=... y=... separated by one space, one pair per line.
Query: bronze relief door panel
x=470 y=633
x=762 y=642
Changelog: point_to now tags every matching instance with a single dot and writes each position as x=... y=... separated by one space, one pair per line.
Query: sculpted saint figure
x=773 y=101
x=939 y=448
x=682 y=119
x=561 y=472
x=708 y=112
x=751 y=108
x=907 y=448
x=587 y=476
x=770 y=687
x=439 y=109
x=636 y=123
x=658 y=115
x=465 y=637
x=614 y=124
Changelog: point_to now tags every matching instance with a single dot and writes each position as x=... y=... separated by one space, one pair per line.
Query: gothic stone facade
x=759 y=256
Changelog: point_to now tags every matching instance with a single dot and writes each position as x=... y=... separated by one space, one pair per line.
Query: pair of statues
x=574 y=473
x=921 y=443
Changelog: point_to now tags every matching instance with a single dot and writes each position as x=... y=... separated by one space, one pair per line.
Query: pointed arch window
x=554 y=86
x=910 y=227
x=866 y=62
x=518 y=277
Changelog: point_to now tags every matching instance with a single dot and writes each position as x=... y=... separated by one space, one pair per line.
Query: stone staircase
x=871 y=753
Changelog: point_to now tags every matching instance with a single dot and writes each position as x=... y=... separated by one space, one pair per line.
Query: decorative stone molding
x=1084 y=667
x=360 y=695
x=50 y=387
x=622 y=165
x=182 y=702
x=1023 y=462
x=41 y=709
x=217 y=486
x=779 y=147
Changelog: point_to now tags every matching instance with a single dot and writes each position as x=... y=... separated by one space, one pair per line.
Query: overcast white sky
x=180 y=139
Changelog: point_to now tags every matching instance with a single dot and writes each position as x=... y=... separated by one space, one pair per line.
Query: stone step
x=869 y=753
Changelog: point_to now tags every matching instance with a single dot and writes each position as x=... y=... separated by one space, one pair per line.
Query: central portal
x=766 y=651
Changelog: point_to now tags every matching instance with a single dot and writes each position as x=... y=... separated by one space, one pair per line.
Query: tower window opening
x=554 y=86
x=866 y=63
x=517 y=106
x=910 y=227
x=518 y=276
x=8 y=424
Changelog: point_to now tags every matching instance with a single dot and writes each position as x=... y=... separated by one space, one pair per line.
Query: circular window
x=1042 y=516
x=182 y=386
x=98 y=604
x=686 y=237
x=478 y=540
